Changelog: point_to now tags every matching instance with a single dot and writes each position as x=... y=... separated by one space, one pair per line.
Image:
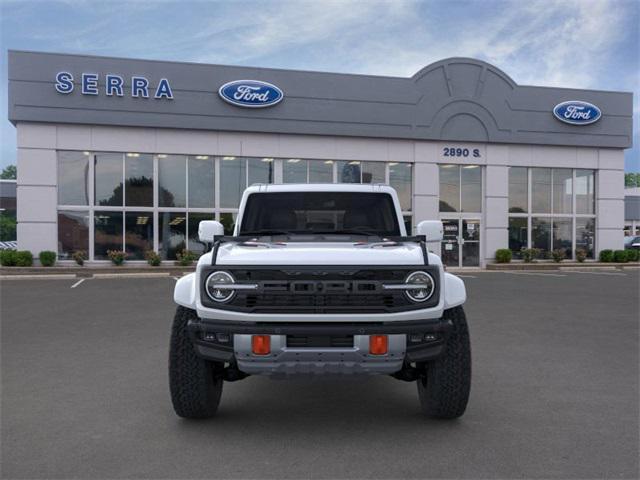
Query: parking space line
x=599 y=273
x=131 y=275
x=465 y=276
x=78 y=283
x=54 y=276
x=538 y=274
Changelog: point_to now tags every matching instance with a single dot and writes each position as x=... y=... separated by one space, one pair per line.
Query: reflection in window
x=228 y=221
x=541 y=190
x=108 y=233
x=233 y=176
x=172 y=185
x=73 y=178
x=373 y=172
x=449 y=188
x=349 y=172
x=108 y=179
x=562 y=190
x=518 y=190
x=138 y=173
x=195 y=245
x=172 y=234
x=294 y=170
x=541 y=235
x=471 y=188
x=260 y=170
x=138 y=237
x=585 y=192
x=517 y=235
x=73 y=233
x=320 y=171
x=562 y=235
x=586 y=234
x=400 y=178
x=201 y=181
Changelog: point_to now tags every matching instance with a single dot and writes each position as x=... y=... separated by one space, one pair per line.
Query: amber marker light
x=261 y=344
x=378 y=344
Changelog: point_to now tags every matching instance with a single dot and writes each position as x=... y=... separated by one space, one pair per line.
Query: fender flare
x=184 y=293
x=455 y=293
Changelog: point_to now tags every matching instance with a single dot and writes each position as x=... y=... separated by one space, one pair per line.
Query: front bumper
x=230 y=342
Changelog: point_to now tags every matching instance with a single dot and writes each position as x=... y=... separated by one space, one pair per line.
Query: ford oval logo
x=576 y=112
x=250 y=93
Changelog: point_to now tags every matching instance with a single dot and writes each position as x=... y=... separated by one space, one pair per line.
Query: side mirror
x=208 y=229
x=432 y=230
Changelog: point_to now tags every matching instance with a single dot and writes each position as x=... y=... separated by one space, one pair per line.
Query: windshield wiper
x=347 y=231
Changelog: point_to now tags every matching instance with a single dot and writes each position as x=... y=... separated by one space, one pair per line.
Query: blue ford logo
x=250 y=93
x=576 y=112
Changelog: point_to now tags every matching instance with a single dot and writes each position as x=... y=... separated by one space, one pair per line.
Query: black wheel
x=195 y=384
x=445 y=382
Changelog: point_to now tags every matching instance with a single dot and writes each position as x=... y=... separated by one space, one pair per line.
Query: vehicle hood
x=320 y=253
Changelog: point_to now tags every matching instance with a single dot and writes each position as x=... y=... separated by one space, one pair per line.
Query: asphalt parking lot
x=554 y=393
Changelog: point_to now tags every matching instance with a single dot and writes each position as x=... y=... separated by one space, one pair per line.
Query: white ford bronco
x=320 y=279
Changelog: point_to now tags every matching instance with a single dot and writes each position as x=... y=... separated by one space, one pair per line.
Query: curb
x=561 y=266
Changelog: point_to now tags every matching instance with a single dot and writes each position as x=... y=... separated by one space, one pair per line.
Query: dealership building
x=131 y=154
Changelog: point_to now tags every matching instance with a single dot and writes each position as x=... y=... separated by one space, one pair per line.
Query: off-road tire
x=195 y=383
x=443 y=387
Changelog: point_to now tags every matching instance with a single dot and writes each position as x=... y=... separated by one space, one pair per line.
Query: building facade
x=632 y=211
x=131 y=154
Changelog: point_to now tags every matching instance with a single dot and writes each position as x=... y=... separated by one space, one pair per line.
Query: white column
x=426 y=186
x=496 y=210
x=610 y=200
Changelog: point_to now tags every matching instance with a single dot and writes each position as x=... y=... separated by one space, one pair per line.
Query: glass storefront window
x=517 y=235
x=449 y=188
x=541 y=235
x=562 y=190
x=541 y=190
x=518 y=190
x=586 y=234
x=400 y=178
x=73 y=233
x=73 y=178
x=349 y=172
x=260 y=170
x=107 y=233
x=233 y=175
x=373 y=172
x=471 y=190
x=138 y=237
x=294 y=170
x=172 y=187
x=195 y=245
x=320 y=171
x=228 y=221
x=201 y=181
x=172 y=234
x=108 y=179
x=562 y=235
x=585 y=192
x=138 y=174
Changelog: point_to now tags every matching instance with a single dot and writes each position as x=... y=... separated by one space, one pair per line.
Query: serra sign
x=113 y=85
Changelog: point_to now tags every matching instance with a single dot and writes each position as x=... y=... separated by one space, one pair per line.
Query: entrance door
x=461 y=242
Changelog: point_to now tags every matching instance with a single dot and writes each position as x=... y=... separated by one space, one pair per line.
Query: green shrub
x=79 y=256
x=558 y=255
x=24 y=258
x=503 y=255
x=581 y=254
x=153 y=258
x=620 y=256
x=186 y=257
x=633 y=255
x=47 y=258
x=530 y=254
x=117 y=256
x=606 y=255
x=8 y=258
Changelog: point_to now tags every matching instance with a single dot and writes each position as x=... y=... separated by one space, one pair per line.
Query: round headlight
x=214 y=289
x=425 y=286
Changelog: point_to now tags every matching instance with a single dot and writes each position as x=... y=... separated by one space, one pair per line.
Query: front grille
x=320 y=341
x=296 y=303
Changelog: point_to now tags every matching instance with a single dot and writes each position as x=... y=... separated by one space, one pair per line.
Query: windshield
x=349 y=213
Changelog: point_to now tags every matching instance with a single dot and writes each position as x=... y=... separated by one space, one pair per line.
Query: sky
x=566 y=43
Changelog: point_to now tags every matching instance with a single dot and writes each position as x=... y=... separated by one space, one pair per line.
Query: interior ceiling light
x=176 y=221
x=162 y=155
x=355 y=162
x=228 y=158
x=293 y=160
x=133 y=154
x=202 y=157
x=268 y=160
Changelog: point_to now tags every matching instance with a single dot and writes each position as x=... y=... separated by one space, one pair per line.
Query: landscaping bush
x=633 y=255
x=503 y=255
x=581 y=254
x=117 y=256
x=620 y=256
x=186 y=257
x=153 y=258
x=79 y=256
x=47 y=258
x=558 y=255
x=530 y=254
x=24 y=258
x=606 y=256
x=7 y=258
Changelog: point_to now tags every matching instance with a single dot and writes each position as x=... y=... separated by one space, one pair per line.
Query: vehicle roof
x=321 y=187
